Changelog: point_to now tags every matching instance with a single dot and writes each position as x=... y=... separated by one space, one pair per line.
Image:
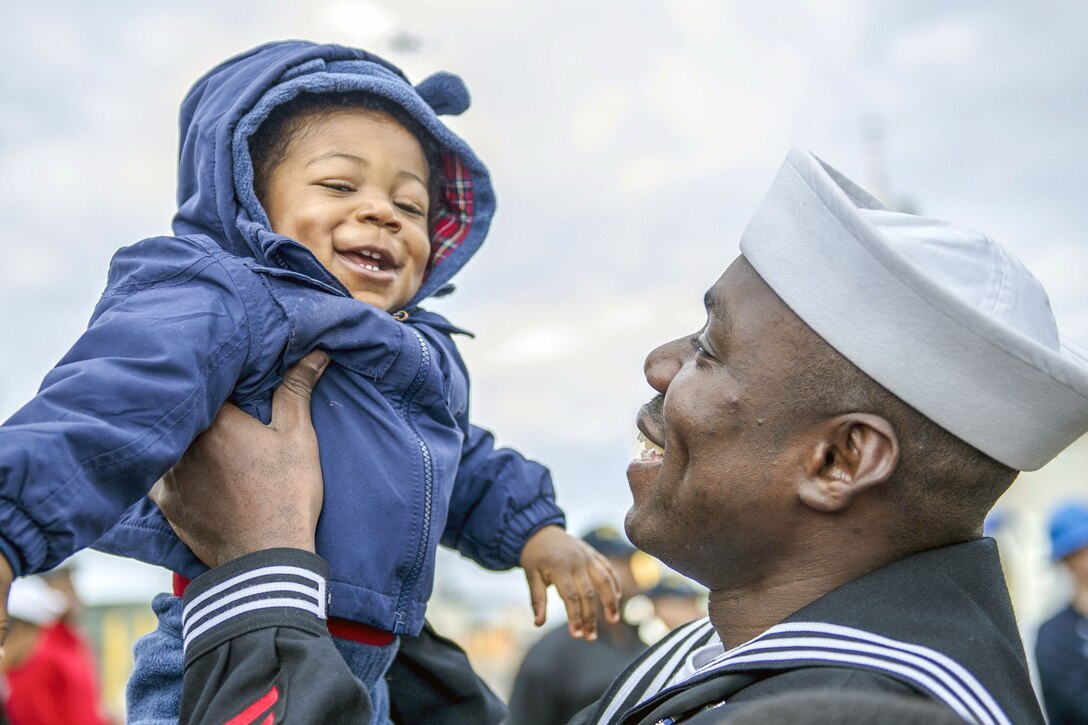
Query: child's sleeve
x=500 y=499
x=165 y=346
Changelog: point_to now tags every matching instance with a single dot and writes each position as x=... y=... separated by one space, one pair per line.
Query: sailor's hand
x=580 y=574
x=243 y=486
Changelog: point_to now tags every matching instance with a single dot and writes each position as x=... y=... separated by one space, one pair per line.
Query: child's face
x=353 y=190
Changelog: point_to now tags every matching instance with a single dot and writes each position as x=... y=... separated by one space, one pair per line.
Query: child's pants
x=153 y=695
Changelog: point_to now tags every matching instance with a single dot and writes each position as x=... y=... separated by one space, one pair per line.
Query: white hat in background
x=31 y=600
x=943 y=317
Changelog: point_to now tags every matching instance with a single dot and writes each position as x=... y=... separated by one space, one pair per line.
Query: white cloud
x=594 y=122
x=542 y=343
x=356 y=21
x=946 y=43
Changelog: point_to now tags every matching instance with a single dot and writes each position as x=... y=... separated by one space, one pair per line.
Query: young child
x=320 y=200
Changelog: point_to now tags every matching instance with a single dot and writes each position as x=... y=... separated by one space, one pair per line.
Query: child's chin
x=379 y=300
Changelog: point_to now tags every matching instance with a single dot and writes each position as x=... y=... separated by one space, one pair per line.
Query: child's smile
x=370 y=263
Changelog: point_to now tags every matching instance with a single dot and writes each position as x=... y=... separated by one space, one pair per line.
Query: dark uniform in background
x=1061 y=652
x=1061 y=649
x=560 y=675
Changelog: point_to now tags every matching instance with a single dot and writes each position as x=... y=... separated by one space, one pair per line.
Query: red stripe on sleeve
x=251 y=713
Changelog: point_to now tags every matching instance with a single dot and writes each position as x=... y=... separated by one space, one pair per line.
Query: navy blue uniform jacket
x=936 y=625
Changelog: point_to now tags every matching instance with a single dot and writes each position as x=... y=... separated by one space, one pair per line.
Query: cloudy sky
x=628 y=144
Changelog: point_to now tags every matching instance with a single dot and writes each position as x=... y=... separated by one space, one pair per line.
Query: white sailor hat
x=943 y=317
x=31 y=600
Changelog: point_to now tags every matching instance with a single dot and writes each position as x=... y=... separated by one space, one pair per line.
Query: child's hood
x=225 y=107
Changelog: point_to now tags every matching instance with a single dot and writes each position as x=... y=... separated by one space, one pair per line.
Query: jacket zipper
x=428 y=483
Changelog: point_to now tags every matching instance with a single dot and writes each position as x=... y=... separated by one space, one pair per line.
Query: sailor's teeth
x=649 y=447
x=372 y=267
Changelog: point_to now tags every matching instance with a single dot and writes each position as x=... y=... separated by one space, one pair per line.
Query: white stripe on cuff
x=268 y=588
x=255 y=573
x=250 y=607
x=219 y=603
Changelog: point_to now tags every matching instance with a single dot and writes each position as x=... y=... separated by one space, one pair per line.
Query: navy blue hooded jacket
x=219 y=312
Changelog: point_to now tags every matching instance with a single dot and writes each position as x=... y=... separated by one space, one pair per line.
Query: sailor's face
x=711 y=490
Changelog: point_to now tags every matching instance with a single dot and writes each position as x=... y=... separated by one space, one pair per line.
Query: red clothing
x=57 y=682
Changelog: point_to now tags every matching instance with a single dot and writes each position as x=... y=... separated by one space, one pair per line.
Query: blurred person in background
x=33 y=608
x=676 y=602
x=1061 y=650
x=560 y=675
x=58 y=682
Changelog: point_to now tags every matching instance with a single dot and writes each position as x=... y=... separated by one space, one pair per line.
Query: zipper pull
x=400 y=315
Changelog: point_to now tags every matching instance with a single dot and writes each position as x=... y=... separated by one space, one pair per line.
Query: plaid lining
x=452 y=227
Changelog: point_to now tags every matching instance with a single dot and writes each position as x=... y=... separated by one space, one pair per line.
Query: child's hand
x=580 y=575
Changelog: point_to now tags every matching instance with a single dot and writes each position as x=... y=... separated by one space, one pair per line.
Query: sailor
x=824 y=451
x=821 y=456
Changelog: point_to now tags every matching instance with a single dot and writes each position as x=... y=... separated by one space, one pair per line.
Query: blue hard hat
x=1068 y=529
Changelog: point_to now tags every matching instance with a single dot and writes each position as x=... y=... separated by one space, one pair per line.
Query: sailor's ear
x=850 y=453
x=445 y=92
